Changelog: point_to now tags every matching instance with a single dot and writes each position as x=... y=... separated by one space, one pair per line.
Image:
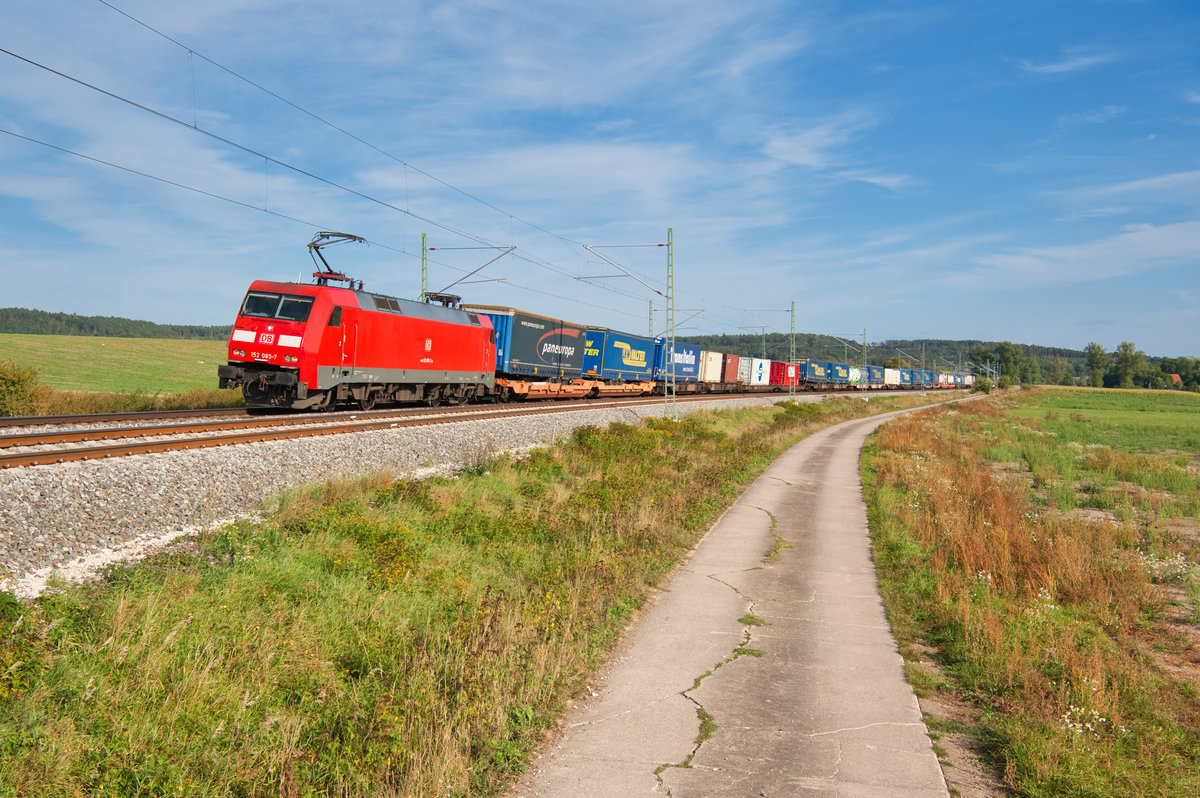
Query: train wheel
x=433 y=397
x=368 y=401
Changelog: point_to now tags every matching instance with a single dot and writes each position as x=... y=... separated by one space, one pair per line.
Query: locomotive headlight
x=239 y=353
x=290 y=359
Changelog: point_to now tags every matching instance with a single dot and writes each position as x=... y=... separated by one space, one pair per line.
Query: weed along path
x=767 y=668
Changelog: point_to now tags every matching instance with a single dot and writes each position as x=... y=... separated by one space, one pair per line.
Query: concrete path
x=812 y=701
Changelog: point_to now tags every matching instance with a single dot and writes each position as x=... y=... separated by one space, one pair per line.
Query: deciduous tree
x=1097 y=363
x=1130 y=363
x=1055 y=369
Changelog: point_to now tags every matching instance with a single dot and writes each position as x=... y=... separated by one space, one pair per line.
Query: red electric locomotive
x=310 y=347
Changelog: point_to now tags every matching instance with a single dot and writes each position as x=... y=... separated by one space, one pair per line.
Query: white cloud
x=627 y=179
x=1098 y=117
x=816 y=146
x=1095 y=213
x=761 y=52
x=890 y=182
x=1074 y=60
x=1138 y=248
x=1174 y=186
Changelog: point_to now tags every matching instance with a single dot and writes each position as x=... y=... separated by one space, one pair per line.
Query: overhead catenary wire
x=525 y=256
x=298 y=170
x=248 y=206
x=242 y=147
x=334 y=125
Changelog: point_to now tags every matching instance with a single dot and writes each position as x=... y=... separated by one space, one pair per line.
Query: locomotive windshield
x=289 y=307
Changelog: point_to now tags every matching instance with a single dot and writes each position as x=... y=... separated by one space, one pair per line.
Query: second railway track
x=48 y=447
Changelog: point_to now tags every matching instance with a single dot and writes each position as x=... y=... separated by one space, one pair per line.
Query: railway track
x=48 y=447
x=129 y=417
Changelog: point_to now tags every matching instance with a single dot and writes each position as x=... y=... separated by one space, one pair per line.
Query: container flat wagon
x=688 y=361
x=616 y=357
x=745 y=370
x=711 y=366
x=839 y=375
x=816 y=373
x=786 y=374
x=760 y=372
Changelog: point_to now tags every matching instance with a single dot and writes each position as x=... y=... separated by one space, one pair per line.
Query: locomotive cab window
x=335 y=317
x=289 y=307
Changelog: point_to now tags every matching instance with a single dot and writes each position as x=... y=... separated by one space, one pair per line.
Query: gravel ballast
x=72 y=519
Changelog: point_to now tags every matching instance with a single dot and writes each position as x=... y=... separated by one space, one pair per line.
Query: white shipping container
x=891 y=376
x=761 y=372
x=744 y=370
x=969 y=379
x=856 y=375
x=945 y=379
x=710 y=366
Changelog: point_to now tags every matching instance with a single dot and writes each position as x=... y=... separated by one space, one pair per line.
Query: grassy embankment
x=380 y=638
x=80 y=374
x=1044 y=546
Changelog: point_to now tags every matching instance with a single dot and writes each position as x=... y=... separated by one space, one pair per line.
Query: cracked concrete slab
x=822 y=708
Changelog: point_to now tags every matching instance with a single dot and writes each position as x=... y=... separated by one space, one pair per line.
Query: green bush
x=982 y=385
x=19 y=389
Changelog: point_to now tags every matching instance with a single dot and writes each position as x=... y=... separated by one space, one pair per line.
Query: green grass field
x=117 y=365
x=1140 y=421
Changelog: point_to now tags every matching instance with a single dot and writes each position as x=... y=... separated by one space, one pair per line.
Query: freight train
x=315 y=346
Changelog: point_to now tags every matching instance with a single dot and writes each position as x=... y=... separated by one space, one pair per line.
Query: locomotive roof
x=410 y=307
x=369 y=300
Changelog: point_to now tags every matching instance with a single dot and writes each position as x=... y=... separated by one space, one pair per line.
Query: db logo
x=266 y=338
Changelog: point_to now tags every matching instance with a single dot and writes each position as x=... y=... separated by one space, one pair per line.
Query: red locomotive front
x=313 y=346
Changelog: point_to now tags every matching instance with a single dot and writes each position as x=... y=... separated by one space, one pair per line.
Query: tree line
x=22 y=321
x=1005 y=362
x=1126 y=367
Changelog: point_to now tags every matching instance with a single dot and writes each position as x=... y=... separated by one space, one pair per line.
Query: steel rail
x=101 y=418
x=47 y=437
x=55 y=456
x=249 y=422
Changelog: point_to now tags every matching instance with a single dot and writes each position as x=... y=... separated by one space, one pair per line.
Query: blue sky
x=1024 y=171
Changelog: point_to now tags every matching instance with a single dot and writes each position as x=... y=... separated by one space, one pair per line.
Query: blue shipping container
x=612 y=355
x=687 y=362
x=906 y=376
x=814 y=371
x=930 y=377
x=875 y=375
x=534 y=345
x=839 y=372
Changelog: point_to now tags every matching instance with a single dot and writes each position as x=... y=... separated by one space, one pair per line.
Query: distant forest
x=39 y=322
x=936 y=354
x=1004 y=361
